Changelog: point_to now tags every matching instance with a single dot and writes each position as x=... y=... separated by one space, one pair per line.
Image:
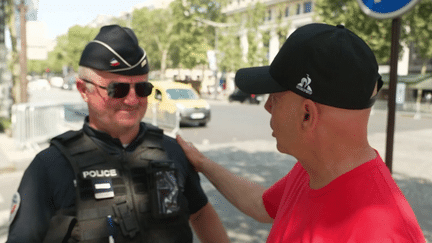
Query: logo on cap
x=144 y=63
x=304 y=85
x=114 y=62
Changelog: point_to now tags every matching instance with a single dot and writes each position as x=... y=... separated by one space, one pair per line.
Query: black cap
x=327 y=64
x=115 y=49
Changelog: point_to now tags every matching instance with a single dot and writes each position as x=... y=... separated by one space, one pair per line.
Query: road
x=239 y=138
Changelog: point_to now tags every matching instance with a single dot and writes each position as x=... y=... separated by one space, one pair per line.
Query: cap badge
x=304 y=85
x=144 y=63
x=114 y=62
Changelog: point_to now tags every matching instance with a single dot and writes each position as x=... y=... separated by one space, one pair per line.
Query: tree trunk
x=163 y=63
x=14 y=62
x=424 y=67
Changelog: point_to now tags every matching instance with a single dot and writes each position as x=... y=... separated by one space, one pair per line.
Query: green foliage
x=420 y=29
x=69 y=48
x=172 y=37
x=230 y=56
x=36 y=66
x=254 y=19
x=281 y=29
x=5 y=123
x=193 y=37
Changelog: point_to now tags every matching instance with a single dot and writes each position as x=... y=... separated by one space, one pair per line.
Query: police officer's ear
x=82 y=88
x=309 y=113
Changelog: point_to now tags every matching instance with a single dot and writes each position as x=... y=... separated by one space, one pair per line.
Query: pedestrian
x=117 y=179
x=322 y=85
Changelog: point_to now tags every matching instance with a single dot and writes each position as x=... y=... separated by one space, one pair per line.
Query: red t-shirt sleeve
x=273 y=196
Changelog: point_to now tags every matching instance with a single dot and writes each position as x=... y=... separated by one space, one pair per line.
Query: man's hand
x=243 y=194
x=194 y=156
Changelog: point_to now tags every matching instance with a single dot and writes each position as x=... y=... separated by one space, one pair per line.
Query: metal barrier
x=36 y=123
x=163 y=118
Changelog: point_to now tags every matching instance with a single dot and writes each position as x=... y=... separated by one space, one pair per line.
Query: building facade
x=288 y=14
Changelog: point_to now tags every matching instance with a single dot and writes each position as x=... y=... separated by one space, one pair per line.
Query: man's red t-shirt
x=362 y=205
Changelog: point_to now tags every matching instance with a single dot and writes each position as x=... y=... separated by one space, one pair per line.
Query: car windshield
x=181 y=94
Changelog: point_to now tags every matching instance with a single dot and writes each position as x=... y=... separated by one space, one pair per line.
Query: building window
x=269 y=14
x=298 y=9
x=307 y=7
x=286 y=11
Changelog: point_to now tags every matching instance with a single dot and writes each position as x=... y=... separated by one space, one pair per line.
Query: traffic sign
x=384 y=9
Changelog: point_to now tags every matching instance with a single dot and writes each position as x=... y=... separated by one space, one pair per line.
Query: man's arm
x=243 y=194
x=207 y=225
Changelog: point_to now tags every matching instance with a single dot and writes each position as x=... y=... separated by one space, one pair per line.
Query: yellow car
x=172 y=96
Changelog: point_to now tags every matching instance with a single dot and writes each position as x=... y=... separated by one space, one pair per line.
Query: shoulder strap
x=60 y=141
x=153 y=137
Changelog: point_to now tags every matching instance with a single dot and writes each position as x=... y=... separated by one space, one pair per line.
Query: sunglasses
x=120 y=90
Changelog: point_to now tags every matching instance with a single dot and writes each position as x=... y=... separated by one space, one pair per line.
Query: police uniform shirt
x=47 y=184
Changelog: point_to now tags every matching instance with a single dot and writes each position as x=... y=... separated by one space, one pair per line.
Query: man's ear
x=82 y=88
x=309 y=114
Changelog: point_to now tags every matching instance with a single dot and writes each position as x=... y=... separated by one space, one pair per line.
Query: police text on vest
x=100 y=173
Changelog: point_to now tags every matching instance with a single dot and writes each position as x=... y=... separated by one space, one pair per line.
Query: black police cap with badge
x=115 y=49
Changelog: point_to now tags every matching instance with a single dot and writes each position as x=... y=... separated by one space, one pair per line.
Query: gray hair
x=85 y=73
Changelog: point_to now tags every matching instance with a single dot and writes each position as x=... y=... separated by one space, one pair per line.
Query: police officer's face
x=111 y=114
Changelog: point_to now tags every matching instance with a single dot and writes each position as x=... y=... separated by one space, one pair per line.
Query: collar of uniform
x=106 y=138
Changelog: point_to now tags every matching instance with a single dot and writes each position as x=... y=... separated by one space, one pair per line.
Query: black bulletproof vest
x=116 y=195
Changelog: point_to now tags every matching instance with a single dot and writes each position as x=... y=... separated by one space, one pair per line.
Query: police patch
x=100 y=173
x=16 y=201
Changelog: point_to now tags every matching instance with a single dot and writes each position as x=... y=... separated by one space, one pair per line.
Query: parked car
x=69 y=82
x=38 y=84
x=241 y=96
x=172 y=96
x=56 y=82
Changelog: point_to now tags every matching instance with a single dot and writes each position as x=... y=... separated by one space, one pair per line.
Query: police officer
x=117 y=179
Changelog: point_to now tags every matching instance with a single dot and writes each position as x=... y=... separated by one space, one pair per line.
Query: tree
x=420 y=31
x=13 y=63
x=36 y=66
x=155 y=32
x=255 y=17
x=172 y=37
x=69 y=47
x=231 y=56
x=194 y=38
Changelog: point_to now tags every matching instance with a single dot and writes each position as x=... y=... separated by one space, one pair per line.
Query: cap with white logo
x=327 y=64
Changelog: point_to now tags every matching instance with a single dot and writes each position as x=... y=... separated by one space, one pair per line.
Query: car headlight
x=207 y=107
x=180 y=106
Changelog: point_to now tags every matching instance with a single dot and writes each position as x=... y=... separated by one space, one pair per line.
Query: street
x=239 y=138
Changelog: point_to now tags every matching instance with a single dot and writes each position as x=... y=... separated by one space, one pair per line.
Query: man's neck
x=126 y=136
x=330 y=166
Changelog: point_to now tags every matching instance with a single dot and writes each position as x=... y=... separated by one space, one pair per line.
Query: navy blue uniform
x=48 y=184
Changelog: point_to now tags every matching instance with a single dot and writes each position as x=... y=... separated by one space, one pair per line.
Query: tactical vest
x=135 y=197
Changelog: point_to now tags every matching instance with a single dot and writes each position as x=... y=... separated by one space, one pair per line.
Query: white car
x=57 y=82
x=38 y=84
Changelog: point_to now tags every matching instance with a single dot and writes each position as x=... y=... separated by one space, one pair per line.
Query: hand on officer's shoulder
x=195 y=157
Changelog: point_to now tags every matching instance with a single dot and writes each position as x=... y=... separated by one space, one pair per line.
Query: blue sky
x=60 y=15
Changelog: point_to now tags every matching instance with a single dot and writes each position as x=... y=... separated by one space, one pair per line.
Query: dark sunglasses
x=121 y=90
